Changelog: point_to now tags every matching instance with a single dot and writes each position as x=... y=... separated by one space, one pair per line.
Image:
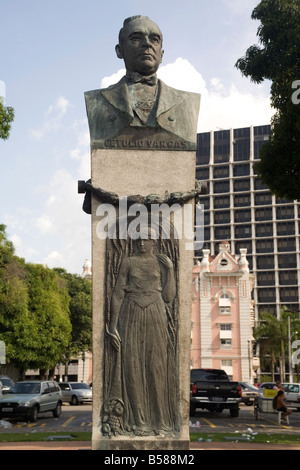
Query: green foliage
x=272 y=336
x=7 y=116
x=45 y=314
x=277 y=58
x=48 y=306
x=80 y=291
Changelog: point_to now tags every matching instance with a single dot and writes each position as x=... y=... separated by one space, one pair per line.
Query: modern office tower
x=239 y=208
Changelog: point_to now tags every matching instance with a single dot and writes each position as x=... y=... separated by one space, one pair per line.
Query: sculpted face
x=141 y=46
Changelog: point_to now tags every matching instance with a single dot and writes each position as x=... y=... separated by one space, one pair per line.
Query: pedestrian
x=279 y=404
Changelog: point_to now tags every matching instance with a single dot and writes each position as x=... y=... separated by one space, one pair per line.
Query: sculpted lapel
x=110 y=114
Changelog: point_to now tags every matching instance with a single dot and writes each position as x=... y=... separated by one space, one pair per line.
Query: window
x=265 y=278
x=285 y=212
x=286 y=244
x=243 y=231
x=226 y=363
x=242 y=200
x=242 y=185
x=224 y=301
x=287 y=261
x=222 y=217
x=264 y=230
x=241 y=170
x=221 y=171
x=222 y=233
x=266 y=295
x=265 y=262
x=226 y=344
x=225 y=311
x=285 y=228
x=224 y=262
x=264 y=214
x=225 y=327
x=242 y=215
x=221 y=202
x=265 y=246
x=289 y=294
x=241 y=150
x=263 y=199
x=288 y=278
x=45 y=389
x=202 y=173
x=221 y=187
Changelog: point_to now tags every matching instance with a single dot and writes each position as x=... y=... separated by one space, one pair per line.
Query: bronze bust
x=141 y=111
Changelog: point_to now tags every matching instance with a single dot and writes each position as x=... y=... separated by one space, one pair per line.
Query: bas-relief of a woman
x=138 y=332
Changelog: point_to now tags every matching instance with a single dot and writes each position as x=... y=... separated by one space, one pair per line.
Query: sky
x=54 y=51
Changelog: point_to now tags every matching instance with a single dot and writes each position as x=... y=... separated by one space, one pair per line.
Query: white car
x=76 y=392
x=292 y=393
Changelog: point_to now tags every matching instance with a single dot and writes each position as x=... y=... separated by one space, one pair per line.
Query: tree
x=48 y=306
x=80 y=292
x=14 y=324
x=7 y=116
x=272 y=336
x=278 y=59
x=34 y=311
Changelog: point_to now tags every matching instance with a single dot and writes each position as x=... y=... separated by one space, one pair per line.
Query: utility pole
x=290 y=351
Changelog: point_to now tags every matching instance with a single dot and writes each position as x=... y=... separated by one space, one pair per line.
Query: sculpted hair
x=127 y=21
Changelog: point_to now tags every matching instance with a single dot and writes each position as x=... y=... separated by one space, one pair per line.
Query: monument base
x=128 y=173
x=140 y=444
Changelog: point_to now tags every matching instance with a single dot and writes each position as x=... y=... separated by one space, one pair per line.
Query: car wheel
x=192 y=410
x=74 y=400
x=34 y=414
x=57 y=411
x=234 y=412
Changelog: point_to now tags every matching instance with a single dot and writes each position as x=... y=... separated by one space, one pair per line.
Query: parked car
x=7 y=383
x=292 y=393
x=249 y=393
x=29 y=398
x=76 y=392
x=212 y=390
x=266 y=386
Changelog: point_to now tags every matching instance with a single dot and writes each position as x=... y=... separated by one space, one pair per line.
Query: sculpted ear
x=119 y=51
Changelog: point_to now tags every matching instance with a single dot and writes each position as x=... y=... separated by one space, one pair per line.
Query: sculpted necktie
x=135 y=77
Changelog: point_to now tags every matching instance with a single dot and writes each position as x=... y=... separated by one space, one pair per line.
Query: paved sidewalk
x=85 y=445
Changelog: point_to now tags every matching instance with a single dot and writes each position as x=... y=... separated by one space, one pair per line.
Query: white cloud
x=21 y=248
x=107 y=81
x=45 y=224
x=53 y=118
x=221 y=106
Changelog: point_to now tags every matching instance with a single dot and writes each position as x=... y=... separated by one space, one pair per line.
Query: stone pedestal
x=127 y=173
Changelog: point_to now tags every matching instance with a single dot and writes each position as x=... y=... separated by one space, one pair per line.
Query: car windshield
x=249 y=387
x=78 y=386
x=6 y=382
x=26 y=388
x=199 y=375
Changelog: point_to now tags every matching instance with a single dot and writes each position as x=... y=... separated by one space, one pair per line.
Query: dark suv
x=29 y=398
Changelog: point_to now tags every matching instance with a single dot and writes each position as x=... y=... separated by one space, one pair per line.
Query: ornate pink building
x=223 y=314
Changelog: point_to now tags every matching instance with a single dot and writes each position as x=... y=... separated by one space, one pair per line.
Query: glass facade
x=241 y=209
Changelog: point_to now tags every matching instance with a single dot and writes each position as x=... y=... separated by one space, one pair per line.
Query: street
x=79 y=418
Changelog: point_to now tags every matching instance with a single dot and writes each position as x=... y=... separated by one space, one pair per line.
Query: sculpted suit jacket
x=110 y=114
